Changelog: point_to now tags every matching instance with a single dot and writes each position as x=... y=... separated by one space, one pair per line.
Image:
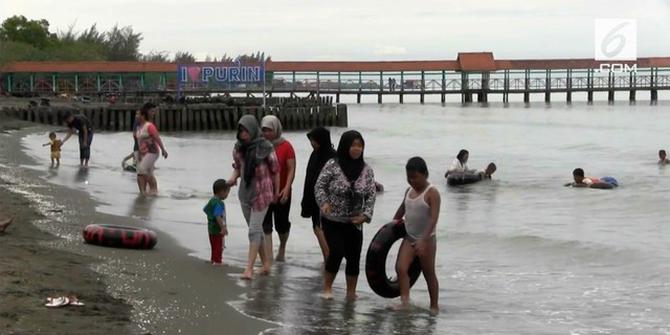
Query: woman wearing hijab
x=460 y=163
x=345 y=192
x=319 y=138
x=255 y=161
x=280 y=209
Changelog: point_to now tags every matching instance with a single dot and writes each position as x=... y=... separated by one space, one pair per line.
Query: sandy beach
x=161 y=291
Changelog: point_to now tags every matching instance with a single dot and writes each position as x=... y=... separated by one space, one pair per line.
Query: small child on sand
x=55 y=144
x=216 y=220
x=419 y=211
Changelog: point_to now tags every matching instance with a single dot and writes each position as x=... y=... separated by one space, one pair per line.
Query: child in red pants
x=216 y=220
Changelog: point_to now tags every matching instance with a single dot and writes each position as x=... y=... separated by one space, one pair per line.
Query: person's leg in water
x=4 y=224
x=89 y=140
x=320 y=237
x=405 y=258
x=428 y=269
x=267 y=231
x=152 y=183
x=141 y=183
x=255 y=221
x=283 y=226
x=332 y=232
x=352 y=253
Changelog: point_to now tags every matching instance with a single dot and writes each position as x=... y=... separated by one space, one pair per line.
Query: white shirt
x=457 y=166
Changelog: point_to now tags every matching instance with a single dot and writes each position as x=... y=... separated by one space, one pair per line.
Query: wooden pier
x=196 y=117
x=471 y=77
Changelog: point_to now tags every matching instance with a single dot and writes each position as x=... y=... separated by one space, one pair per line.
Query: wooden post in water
x=483 y=94
x=547 y=86
x=443 y=96
x=610 y=87
x=506 y=86
x=654 y=79
x=423 y=86
x=526 y=85
x=402 y=87
x=589 y=85
x=631 y=86
x=568 y=86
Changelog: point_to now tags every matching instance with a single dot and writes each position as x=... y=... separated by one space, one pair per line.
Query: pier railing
x=380 y=83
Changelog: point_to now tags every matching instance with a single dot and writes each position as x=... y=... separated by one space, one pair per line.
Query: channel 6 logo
x=615 y=39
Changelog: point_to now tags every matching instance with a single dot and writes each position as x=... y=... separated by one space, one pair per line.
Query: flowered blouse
x=333 y=187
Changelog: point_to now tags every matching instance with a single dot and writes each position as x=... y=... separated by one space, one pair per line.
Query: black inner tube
x=375 y=261
x=463 y=178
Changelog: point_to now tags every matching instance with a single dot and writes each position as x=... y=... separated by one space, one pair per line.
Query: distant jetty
x=196 y=115
x=473 y=76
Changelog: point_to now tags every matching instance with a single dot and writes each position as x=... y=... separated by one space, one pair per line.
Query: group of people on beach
x=338 y=196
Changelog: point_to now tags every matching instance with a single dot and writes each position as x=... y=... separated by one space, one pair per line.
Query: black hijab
x=317 y=160
x=326 y=151
x=352 y=168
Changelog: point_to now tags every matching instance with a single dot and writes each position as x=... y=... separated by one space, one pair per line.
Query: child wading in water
x=420 y=209
x=55 y=144
x=216 y=220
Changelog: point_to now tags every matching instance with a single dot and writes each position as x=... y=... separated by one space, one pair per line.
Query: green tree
x=32 y=32
x=184 y=57
x=156 y=56
x=123 y=44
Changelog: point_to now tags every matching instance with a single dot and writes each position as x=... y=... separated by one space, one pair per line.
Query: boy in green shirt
x=216 y=219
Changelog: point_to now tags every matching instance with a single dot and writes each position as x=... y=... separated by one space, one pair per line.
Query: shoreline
x=160 y=291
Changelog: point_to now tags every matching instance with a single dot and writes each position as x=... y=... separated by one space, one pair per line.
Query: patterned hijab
x=255 y=150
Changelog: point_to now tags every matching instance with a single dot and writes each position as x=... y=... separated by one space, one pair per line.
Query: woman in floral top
x=345 y=192
x=256 y=163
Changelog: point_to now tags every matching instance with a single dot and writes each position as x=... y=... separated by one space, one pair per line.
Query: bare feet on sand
x=326 y=295
x=4 y=224
x=247 y=275
x=400 y=307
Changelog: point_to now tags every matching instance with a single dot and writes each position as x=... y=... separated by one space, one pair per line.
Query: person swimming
x=580 y=180
x=488 y=172
x=663 y=158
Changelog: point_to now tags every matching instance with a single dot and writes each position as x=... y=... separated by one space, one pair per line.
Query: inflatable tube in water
x=462 y=178
x=129 y=168
x=610 y=180
x=119 y=236
x=375 y=261
x=606 y=183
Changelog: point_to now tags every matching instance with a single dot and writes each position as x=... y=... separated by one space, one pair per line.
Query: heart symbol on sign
x=194 y=73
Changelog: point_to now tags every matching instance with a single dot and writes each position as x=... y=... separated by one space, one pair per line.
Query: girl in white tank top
x=420 y=210
x=417 y=215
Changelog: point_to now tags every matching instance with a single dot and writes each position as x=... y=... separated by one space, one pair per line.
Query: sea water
x=521 y=254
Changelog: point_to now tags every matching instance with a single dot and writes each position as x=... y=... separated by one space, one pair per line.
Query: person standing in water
x=319 y=138
x=663 y=158
x=150 y=146
x=345 y=192
x=256 y=162
x=82 y=125
x=421 y=210
x=280 y=209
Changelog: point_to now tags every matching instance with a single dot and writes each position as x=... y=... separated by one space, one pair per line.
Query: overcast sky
x=361 y=29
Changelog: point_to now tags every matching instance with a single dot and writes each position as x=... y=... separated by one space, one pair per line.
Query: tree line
x=22 y=39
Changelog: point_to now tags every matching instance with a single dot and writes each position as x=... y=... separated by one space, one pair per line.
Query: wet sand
x=162 y=291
